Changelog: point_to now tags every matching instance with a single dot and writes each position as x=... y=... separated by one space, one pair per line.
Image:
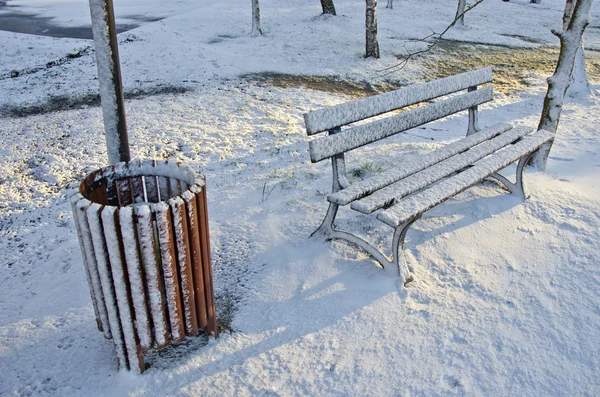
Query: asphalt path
x=13 y=20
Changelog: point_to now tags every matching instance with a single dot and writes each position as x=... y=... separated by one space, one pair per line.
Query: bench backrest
x=331 y=118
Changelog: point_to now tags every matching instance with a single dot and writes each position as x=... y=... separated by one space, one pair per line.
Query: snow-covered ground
x=505 y=298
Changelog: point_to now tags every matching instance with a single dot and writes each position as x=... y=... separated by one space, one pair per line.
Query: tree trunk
x=390 y=4
x=460 y=17
x=256 y=29
x=570 y=41
x=579 y=81
x=371 y=30
x=328 y=7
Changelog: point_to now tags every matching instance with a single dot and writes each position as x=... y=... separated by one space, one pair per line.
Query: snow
x=505 y=296
x=97 y=234
x=384 y=197
x=412 y=164
x=120 y=285
x=146 y=241
x=134 y=273
x=169 y=276
x=346 y=113
x=429 y=197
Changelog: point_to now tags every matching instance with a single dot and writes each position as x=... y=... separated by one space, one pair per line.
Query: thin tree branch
x=437 y=36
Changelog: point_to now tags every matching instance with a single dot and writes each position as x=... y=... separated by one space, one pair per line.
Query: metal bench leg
x=398 y=251
x=518 y=187
x=328 y=232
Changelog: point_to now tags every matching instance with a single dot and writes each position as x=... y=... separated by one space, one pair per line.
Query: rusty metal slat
x=108 y=290
x=86 y=265
x=82 y=206
x=136 y=276
x=154 y=283
x=164 y=189
x=137 y=190
x=116 y=254
x=196 y=251
x=123 y=192
x=164 y=226
x=207 y=260
x=180 y=229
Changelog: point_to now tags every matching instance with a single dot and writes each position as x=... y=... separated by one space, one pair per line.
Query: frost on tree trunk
x=256 y=29
x=371 y=30
x=579 y=81
x=570 y=42
x=328 y=7
x=390 y=4
x=460 y=11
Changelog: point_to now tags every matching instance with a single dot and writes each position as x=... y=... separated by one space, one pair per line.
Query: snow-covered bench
x=418 y=182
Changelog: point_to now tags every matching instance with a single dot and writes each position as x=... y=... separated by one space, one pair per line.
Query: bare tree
x=570 y=43
x=328 y=7
x=390 y=4
x=256 y=29
x=460 y=12
x=371 y=30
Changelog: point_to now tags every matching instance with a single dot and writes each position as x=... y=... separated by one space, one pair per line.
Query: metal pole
x=109 y=77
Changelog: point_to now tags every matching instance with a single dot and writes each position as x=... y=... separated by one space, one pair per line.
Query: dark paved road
x=12 y=20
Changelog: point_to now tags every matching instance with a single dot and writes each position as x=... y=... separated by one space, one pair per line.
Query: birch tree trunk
x=371 y=30
x=256 y=29
x=328 y=7
x=460 y=17
x=570 y=41
x=390 y=4
x=579 y=81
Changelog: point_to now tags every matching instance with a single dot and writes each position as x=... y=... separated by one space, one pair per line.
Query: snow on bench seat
x=426 y=199
x=386 y=196
x=413 y=164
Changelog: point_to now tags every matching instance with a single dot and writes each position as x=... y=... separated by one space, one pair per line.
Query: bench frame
x=396 y=260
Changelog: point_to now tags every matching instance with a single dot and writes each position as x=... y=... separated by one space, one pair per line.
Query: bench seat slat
x=428 y=176
x=360 y=109
x=428 y=198
x=361 y=135
x=412 y=164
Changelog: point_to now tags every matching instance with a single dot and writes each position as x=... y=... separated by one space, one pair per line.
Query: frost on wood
x=430 y=175
x=196 y=256
x=570 y=41
x=169 y=268
x=420 y=202
x=109 y=78
x=93 y=267
x=113 y=246
x=349 y=112
x=134 y=271
x=74 y=199
x=412 y=164
x=153 y=278
x=355 y=137
x=108 y=291
x=184 y=261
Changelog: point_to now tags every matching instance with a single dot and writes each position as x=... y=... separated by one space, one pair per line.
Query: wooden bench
x=418 y=182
